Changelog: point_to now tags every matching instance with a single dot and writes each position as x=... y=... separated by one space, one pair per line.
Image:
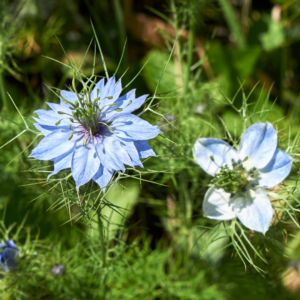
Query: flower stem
x=2 y=91
x=102 y=242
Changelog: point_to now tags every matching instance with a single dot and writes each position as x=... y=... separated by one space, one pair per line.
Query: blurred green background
x=219 y=47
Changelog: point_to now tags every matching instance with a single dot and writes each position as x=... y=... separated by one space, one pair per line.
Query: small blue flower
x=94 y=133
x=9 y=256
x=256 y=166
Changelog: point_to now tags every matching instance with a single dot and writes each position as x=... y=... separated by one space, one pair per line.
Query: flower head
x=9 y=256
x=94 y=133
x=240 y=177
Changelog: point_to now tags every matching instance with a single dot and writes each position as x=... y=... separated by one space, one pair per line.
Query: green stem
x=232 y=22
x=122 y=32
x=102 y=242
x=3 y=94
x=190 y=53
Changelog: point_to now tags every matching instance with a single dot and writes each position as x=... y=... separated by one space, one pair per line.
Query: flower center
x=87 y=116
x=237 y=179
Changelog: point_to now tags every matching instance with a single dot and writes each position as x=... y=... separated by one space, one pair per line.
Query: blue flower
x=9 y=256
x=94 y=133
x=240 y=177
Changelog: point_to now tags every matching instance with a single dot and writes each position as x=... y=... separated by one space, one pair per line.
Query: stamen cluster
x=87 y=115
x=235 y=179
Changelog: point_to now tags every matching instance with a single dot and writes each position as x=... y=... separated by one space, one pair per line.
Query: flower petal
x=54 y=145
x=46 y=129
x=49 y=117
x=69 y=96
x=62 y=162
x=222 y=153
x=111 y=89
x=128 y=103
x=61 y=108
x=133 y=127
x=132 y=151
x=254 y=210
x=103 y=176
x=85 y=163
x=217 y=205
x=258 y=143
x=106 y=149
x=98 y=87
x=144 y=149
x=276 y=170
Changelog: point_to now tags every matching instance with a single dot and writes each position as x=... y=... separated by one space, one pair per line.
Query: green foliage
x=211 y=70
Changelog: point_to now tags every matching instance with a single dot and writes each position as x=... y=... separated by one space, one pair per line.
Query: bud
x=130 y=102
x=71 y=120
x=57 y=123
x=110 y=97
x=118 y=109
x=76 y=103
x=211 y=158
x=114 y=104
x=84 y=141
x=60 y=112
x=70 y=137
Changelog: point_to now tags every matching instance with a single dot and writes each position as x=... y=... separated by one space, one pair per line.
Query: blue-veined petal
x=254 y=210
x=106 y=149
x=217 y=205
x=62 y=162
x=103 y=176
x=69 y=96
x=96 y=92
x=258 y=143
x=50 y=117
x=276 y=170
x=222 y=153
x=111 y=89
x=133 y=127
x=130 y=148
x=85 y=163
x=128 y=105
x=46 y=129
x=61 y=108
x=54 y=145
x=144 y=149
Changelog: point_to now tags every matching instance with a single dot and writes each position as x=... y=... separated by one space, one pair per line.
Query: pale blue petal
x=133 y=127
x=103 y=176
x=130 y=148
x=9 y=243
x=70 y=96
x=110 y=90
x=85 y=163
x=106 y=150
x=46 y=129
x=144 y=149
x=54 y=145
x=222 y=154
x=61 y=108
x=254 y=210
x=128 y=103
x=217 y=205
x=258 y=143
x=48 y=117
x=100 y=87
x=276 y=170
x=62 y=162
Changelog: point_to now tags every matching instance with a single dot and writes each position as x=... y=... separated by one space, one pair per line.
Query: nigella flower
x=9 y=256
x=240 y=177
x=94 y=133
